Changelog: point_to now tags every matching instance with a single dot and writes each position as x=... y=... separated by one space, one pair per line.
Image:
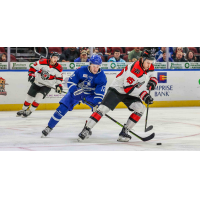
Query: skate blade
x=79 y=139
x=121 y=139
x=43 y=136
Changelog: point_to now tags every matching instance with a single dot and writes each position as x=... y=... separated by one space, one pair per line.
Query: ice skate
x=124 y=136
x=26 y=113
x=20 y=113
x=46 y=131
x=85 y=134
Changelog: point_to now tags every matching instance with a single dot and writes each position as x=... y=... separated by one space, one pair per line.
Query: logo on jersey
x=140 y=84
x=35 y=64
x=2 y=86
x=130 y=80
x=162 y=77
x=45 y=75
x=85 y=75
x=137 y=71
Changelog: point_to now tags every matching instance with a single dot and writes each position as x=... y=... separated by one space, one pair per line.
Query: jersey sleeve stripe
x=98 y=94
x=98 y=97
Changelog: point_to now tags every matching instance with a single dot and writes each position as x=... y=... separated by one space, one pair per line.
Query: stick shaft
x=147 y=112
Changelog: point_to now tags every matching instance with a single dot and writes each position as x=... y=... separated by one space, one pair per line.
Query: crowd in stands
x=108 y=54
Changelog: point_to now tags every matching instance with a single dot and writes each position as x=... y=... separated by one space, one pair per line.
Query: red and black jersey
x=46 y=73
x=131 y=79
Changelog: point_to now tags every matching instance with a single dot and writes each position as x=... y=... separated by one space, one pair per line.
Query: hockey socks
x=133 y=119
x=57 y=116
x=94 y=118
x=26 y=105
x=27 y=102
x=34 y=106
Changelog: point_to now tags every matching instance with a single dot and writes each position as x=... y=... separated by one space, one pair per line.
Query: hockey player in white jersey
x=48 y=72
x=126 y=88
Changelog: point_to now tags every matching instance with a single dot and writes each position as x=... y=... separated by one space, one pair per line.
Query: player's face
x=94 y=68
x=54 y=59
x=147 y=64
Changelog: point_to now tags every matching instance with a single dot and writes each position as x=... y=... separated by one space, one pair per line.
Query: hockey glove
x=59 y=89
x=146 y=97
x=31 y=78
x=152 y=83
x=96 y=102
x=94 y=109
x=78 y=94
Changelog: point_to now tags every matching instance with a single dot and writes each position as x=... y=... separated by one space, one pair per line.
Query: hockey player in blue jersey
x=87 y=82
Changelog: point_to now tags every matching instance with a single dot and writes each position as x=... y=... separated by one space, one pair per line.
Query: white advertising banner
x=105 y=65
x=172 y=86
x=3 y=65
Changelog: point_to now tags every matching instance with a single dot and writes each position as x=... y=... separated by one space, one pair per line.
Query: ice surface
x=175 y=128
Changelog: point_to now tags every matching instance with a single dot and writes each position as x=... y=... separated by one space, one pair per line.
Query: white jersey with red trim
x=46 y=73
x=131 y=78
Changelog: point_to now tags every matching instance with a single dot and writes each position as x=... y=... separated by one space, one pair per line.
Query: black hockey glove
x=31 y=78
x=146 y=97
x=59 y=89
x=151 y=85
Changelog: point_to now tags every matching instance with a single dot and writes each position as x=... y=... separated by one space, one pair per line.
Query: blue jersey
x=94 y=85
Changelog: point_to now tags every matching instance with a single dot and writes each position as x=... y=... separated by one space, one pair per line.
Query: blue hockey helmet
x=96 y=60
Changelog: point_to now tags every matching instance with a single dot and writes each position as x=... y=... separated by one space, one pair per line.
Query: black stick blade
x=149 y=137
x=149 y=128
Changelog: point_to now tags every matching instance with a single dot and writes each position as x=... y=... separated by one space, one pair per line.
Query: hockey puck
x=159 y=143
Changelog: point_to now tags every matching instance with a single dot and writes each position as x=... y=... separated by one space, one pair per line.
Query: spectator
x=87 y=49
x=159 y=54
x=179 y=57
x=116 y=57
x=69 y=55
x=190 y=56
x=163 y=59
x=184 y=50
x=96 y=51
x=134 y=59
x=136 y=53
x=106 y=51
x=83 y=57
x=171 y=51
x=3 y=57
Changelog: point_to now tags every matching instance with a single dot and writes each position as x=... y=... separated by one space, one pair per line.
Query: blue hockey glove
x=78 y=94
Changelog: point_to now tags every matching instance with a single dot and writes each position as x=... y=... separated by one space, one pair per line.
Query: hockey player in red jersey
x=126 y=88
x=48 y=72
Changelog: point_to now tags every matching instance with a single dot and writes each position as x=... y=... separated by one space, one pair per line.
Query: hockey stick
x=143 y=139
x=51 y=87
x=41 y=56
x=150 y=127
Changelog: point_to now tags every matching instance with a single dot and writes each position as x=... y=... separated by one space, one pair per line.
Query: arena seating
x=193 y=49
x=57 y=49
x=2 y=49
